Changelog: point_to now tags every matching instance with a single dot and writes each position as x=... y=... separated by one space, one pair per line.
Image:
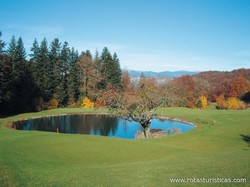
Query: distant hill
x=170 y=74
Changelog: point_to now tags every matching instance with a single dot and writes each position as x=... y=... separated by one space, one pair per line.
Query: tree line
x=54 y=72
x=56 y=75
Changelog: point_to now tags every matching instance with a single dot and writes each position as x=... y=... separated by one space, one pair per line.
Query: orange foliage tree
x=238 y=87
x=126 y=80
x=53 y=103
x=185 y=91
x=220 y=102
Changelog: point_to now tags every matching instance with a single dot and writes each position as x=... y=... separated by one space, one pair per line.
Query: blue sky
x=157 y=35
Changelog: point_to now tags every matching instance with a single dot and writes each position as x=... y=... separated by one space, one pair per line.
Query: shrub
x=72 y=103
x=202 y=102
x=86 y=103
x=53 y=103
x=220 y=102
x=232 y=103
x=99 y=103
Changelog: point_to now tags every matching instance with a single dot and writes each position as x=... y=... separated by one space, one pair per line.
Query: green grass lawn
x=213 y=150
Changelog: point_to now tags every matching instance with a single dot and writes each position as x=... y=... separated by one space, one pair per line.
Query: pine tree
x=111 y=68
x=35 y=65
x=41 y=70
x=12 y=48
x=18 y=54
x=54 y=59
x=74 y=76
x=117 y=74
x=42 y=78
x=63 y=65
x=101 y=83
x=2 y=44
x=21 y=87
x=35 y=51
x=106 y=60
x=5 y=82
x=97 y=62
x=20 y=50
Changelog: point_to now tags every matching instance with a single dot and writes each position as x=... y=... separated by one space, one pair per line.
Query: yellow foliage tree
x=232 y=103
x=202 y=103
x=220 y=102
x=86 y=103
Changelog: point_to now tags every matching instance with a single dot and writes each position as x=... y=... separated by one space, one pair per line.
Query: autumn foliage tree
x=232 y=103
x=202 y=102
x=137 y=105
x=220 y=102
x=185 y=91
x=87 y=103
x=53 y=104
x=238 y=87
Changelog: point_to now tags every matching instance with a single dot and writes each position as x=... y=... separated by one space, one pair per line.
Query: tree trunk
x=146 y=132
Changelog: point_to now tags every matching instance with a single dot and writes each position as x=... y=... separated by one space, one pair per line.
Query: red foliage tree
x=185 y=90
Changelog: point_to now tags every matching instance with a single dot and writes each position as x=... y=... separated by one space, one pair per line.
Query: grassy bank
x=213 y=150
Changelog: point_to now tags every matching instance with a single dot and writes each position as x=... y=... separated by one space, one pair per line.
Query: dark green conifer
x=74 y=76
x=2 y=44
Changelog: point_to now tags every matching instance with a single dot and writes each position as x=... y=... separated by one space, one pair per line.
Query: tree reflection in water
x=94 y=125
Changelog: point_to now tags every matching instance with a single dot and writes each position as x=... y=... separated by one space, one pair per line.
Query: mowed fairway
x=213 y=150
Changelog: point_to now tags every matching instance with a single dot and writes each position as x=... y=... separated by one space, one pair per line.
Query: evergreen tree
x=111 y=67
x=97 y=62
x=54 y=59
x=35 y=64
x=101 y=84
x=40 y=71
x=21 y=86
x=117 y=74
x=5 y=82
x=20 y=50
x=63 y=66
x=106 y=60
x=74 y=76
x=12 y=48
x=18 y=54
x=35 y=49
x=87 y=53
x=43 y=80
x=2 y=44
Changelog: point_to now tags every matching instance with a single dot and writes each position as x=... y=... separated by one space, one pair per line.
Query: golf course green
x=215 y=149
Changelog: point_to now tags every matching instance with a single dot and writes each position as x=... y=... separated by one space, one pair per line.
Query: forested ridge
x=57 y=75
x=54 y=72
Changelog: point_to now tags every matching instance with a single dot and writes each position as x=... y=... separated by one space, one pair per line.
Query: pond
x=97 y=125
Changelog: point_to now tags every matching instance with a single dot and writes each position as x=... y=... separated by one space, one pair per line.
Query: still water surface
x=96 y=125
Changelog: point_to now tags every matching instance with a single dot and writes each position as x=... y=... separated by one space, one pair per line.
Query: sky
x=147 y=35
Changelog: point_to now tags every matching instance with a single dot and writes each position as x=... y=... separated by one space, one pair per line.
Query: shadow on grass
x=246 y=138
